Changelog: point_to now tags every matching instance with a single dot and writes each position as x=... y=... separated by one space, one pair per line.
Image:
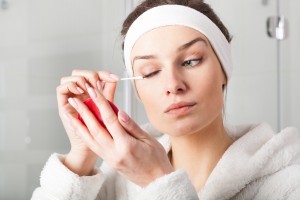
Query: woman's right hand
x=81 y=160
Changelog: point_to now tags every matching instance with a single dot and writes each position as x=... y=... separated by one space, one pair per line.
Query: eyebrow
x=182 y=47
x=146 y=57
x=187 y=45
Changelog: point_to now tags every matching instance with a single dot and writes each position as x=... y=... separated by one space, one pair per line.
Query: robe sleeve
x=59 y=183
x=174 y=186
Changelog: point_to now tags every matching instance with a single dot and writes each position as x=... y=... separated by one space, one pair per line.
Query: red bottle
x=92 y=106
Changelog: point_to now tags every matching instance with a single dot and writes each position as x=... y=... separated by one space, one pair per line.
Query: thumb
x=130 y=126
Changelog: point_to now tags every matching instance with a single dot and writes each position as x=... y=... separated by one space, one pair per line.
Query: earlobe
x=224 y=84
x=223 y=87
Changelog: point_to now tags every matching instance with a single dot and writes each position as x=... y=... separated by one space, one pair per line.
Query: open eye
x=192 y=63
x=151 y=74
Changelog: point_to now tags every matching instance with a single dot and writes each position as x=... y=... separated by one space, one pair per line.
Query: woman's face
x=182 y=92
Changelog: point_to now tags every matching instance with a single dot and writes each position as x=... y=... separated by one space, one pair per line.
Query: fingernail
x=103 y=84
x=114 y=77
x=72 y=102
x=80 y=90
x=92 y=92
x=87 y=85
x=99 y=85
x=124 y=117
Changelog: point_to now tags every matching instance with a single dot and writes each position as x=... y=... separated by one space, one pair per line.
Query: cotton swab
x=132 y=78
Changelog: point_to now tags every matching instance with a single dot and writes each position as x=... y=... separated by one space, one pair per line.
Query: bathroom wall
x=290 y=64
x=40 y=42
x=252 y=95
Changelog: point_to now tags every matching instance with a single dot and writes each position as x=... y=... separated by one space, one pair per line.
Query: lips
x=179 y=105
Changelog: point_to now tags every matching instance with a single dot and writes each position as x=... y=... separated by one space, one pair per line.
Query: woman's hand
x=124 y=145
x=81 y=159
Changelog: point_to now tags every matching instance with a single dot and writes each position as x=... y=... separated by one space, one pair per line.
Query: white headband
x=167 y=15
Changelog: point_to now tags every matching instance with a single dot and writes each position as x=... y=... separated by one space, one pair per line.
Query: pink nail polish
x=124 y=116
x=72 y=102
x=114 y=77
x=99 y=85
x=92 y=92
x=80 y=90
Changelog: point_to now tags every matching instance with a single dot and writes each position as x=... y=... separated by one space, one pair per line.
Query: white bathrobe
x=259 y=165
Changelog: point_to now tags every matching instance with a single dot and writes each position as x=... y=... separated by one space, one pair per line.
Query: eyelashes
x=151 y=74
x=191 y=63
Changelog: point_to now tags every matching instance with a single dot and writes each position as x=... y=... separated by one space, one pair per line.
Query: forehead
x=166 y=37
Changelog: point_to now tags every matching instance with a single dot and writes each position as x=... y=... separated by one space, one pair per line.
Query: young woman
x=182 y=51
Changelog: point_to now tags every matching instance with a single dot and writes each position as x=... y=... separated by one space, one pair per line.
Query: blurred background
x=43 y=40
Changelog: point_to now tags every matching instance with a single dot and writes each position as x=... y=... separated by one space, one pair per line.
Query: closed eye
x=192 y=62
x=151 y=74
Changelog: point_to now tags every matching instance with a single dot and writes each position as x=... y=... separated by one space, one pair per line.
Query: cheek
x=208 y=85
x=149 y=96
x=215 y=93
x=143 y=91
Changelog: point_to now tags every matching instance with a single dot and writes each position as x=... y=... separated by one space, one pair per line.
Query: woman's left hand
x=124 y=145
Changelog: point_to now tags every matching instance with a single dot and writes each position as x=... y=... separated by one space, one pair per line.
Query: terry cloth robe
x=259 y=165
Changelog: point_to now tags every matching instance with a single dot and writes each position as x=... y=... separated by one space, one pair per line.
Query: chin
x=180 y=128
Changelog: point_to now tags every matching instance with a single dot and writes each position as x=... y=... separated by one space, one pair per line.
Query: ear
x=224 y=81
x=223 y=76
x=223 y=87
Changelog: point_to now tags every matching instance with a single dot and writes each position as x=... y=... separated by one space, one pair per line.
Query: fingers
x=96 y=78
x=130 y=126
x=107 y=76
x=79 y=80
x=109 y=117
x=66 y=90
x=108 y=87
x=84 y=134
x=109 y=91
x=69 y=87
x=102 y=80
x=76 y=84
x=91 y=77
x=98 y=133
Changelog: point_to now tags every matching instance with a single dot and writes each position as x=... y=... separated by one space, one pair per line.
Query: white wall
x=290 y=63
x=252 y=93
x=41 y=41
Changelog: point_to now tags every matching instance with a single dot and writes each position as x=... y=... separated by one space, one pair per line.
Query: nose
x=175 y=82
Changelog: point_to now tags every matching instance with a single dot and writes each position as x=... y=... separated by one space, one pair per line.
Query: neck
x=199 y=153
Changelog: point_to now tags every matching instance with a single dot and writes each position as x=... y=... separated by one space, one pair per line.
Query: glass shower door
x=289 y=55
x=265 y=83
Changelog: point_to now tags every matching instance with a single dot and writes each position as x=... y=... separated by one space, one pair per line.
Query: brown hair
x=198 y=5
